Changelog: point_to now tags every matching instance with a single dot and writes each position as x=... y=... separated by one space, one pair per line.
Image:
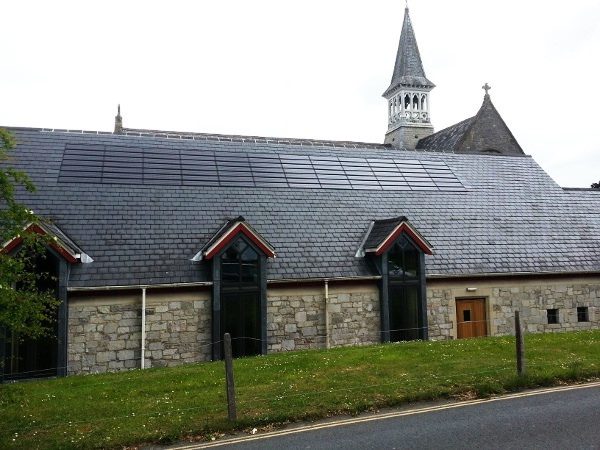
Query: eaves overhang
x=59 y=242
x=382 y=234
x=227 y=233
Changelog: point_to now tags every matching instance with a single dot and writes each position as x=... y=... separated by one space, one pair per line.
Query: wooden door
x=471 y=318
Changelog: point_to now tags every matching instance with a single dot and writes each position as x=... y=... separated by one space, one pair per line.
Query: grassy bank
x=154 y=405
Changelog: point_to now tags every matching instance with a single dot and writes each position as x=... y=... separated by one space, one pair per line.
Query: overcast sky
x=308 y=69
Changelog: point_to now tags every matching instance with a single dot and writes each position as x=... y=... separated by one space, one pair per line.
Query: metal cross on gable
x=486 y=87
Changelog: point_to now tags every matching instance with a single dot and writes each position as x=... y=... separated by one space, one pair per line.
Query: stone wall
x=296 y=317
x=408 y=136
x=103 y=337
x=105 y=331
x=177 y=331
x=440 y=310
x=531 y=297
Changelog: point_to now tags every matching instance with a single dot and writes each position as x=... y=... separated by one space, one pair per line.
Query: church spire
x=408 y=69
x=408 y=93
x=118 y=121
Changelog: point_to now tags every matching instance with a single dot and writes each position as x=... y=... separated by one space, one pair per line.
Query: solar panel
x=189 y=167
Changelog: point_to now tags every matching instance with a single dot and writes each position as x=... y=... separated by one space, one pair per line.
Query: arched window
x=398 y=251
x=405 y=296
x=241 y=297
x=25 y=357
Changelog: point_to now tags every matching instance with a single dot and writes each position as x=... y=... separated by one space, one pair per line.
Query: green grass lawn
x=162 y=405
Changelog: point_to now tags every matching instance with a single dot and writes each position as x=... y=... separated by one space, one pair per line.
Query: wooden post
x=231 y=408
x=520 y=345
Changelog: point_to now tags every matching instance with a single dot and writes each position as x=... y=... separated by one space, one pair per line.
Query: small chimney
x=118 y=121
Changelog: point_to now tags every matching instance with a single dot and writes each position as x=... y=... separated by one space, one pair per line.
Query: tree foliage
x=596 y=185
x=25 y=310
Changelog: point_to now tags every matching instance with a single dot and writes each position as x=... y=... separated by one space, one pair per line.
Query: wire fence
x=304 y=342
x=204 y=405
x=207 y=397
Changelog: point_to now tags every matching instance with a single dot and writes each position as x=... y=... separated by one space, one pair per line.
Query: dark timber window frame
x=389 y=281
x=583 y=314
x=63 y=271
x=219 y=288
x=553 y=316
x=231 y=232
x=66 y=253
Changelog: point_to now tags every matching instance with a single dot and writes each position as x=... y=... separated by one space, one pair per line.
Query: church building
x=164 y=241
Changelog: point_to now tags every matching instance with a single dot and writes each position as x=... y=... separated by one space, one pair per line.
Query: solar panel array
x=184 y=167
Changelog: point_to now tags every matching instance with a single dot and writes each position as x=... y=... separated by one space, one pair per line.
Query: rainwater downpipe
x=143 y=344
x=327 y=343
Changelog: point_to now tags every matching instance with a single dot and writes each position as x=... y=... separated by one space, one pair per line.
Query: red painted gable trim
x=231 y=234
x=403 y=228
x=33 y=228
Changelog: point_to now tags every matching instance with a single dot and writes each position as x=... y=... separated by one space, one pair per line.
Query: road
x=563 y=418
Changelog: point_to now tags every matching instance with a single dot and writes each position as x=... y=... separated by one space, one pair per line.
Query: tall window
x=405 y=299
x=240 y=297
x=31 y=358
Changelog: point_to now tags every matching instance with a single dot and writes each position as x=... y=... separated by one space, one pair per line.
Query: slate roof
x=446 y=139
x=408 y=69
x=485 y=133
x=381 y=230
x=511 y=218
x=384 y=232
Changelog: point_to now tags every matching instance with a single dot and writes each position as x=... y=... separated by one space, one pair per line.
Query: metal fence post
x=231 y=407
x=520 y=345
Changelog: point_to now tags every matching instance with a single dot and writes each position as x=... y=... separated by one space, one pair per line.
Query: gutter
x=509 y=274
x=143 y=343
x=138 y=286
x=327 y=341
x=210 y=283
x=323 y=279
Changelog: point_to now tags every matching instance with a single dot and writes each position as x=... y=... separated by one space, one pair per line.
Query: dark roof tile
x=513 y=218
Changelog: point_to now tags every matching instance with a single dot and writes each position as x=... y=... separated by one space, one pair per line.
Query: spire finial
x=407 y=4
x=118 y=121
x=486 y=87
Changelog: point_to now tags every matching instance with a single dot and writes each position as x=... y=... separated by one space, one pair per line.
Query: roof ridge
x=142 y=132
x=391 y=220
x=249 y=138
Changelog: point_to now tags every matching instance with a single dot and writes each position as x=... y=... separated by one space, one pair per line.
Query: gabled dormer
x=224 y=236
x=28 y=357
x=58 y=241
x=238 y=256
x=398 y=252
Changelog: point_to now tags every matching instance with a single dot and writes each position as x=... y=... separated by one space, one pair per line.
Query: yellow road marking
x=390 y=415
